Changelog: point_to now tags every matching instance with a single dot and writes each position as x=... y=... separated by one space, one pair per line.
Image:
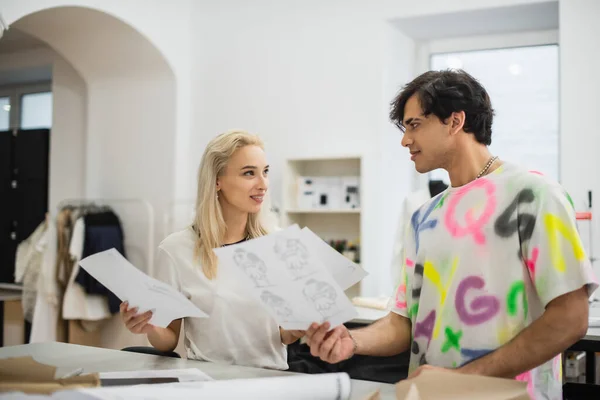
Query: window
x=4 y=113
x=524 y=89
x=25 y=107
x=36 y=110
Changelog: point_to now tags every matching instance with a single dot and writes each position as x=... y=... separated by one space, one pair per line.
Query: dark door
x=23 y=191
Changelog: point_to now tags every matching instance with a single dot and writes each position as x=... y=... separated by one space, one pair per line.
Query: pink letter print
x=472 y=226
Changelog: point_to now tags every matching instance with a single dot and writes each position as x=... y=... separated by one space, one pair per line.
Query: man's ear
x=457 y=122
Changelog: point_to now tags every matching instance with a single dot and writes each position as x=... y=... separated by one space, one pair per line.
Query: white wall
x=396 y=171
x=67 y=137
x=314 y=79
x=579 y=103
x=310 y=80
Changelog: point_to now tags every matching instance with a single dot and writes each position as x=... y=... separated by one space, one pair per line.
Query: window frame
x=427 y=49
x=15 y=92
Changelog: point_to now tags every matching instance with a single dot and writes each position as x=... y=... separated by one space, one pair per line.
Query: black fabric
x=152 y=351
x=368 y=368
x=102 y=232
x=436 y=187
x=231 y=244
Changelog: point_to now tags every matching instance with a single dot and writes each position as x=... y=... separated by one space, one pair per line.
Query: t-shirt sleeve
x=398 y=302
x=554 y=255
x=165 y=269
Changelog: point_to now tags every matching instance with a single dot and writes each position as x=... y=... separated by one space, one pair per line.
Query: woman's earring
x=217 y=195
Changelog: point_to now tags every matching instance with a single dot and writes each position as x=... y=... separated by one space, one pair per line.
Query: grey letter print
x=253 y=266
x=295 y=255
x=281 y=307
x=322 y=295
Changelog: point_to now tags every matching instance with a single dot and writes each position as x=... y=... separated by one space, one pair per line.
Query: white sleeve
x=165 y=269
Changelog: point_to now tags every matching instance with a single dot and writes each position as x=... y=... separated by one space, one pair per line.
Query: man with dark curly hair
x=495 y=280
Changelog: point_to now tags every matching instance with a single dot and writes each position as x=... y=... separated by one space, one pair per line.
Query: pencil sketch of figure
x=281 y=307
x=322 y=295
x=253 y=266
x=295 y=255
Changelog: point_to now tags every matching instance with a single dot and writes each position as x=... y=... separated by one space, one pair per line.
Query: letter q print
x=472 y=226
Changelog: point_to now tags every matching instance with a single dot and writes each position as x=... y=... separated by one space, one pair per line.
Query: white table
x=68 y=357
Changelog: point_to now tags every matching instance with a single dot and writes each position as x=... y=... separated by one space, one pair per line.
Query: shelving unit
x=329 y=223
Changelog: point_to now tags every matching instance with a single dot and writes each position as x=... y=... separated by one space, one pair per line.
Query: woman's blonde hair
x=209 y=223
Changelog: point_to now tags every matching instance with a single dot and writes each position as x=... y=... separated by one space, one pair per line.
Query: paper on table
x=287 y=276
x=293 y=387
x=345 y=272
x=184 y=375
x=130 y=284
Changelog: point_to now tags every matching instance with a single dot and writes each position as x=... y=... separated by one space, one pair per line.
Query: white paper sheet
x=286 y=274
x=294 y=387
x=184 y=375
x=130 y=284
x=345 y=272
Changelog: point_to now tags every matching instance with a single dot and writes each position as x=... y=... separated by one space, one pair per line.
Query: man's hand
x=330 y=346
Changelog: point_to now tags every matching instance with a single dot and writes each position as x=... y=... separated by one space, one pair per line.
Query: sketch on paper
x=278 y=304
x=295 y=255
x=296 y=276
x=253 y=266
x=322 y=295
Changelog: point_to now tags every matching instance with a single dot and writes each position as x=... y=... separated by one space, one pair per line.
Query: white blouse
x=239 y=330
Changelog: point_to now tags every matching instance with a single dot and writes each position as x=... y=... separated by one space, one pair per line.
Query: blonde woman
x=232 y=185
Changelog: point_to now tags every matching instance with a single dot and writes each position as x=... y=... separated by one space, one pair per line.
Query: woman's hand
x=134 y=322
x=289 y=337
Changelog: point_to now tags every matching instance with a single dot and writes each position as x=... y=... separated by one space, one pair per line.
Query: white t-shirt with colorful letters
x=481 y=263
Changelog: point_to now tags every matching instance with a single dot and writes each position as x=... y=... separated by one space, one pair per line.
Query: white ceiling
x=520 y=18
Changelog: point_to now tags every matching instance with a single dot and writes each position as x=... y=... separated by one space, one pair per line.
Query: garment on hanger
x=65 y=292
x=28 y=262
x=77 y=304
x=46 y=311
x=102 y=232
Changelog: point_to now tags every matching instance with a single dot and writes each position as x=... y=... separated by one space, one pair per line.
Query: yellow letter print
x=433 y=275
x=554 y=226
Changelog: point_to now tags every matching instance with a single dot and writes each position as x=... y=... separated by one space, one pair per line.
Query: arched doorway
x=113 y=136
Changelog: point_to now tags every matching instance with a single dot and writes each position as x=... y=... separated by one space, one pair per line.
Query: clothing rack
x=138 y=222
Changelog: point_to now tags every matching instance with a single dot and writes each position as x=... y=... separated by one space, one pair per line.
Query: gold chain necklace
x=487 y=166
